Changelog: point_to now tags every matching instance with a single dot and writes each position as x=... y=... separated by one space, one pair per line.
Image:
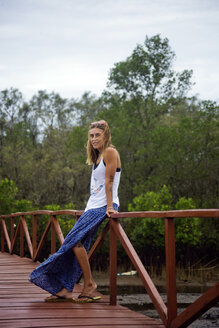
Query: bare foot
x=51 y=297
x=64 y=293
x=89 y=289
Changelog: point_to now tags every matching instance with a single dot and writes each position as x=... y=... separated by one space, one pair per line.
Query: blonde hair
x=92 y=154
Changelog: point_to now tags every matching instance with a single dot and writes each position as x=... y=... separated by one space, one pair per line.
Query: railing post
x=113 y=265
x=53 y=236
x=12 y=229
x=2 y=238
x=77 y=217
x=170 y=270
x=34 y=232
x=21 y=239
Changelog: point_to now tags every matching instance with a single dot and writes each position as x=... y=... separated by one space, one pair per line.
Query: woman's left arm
x=110 y=159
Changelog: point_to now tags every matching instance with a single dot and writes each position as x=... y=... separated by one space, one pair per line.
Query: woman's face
x=97 y=138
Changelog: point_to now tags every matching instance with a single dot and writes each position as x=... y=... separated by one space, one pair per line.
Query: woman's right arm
x=110 y=159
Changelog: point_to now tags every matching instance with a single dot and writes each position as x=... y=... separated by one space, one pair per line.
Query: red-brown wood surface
x=113 y=264
x=27 y=235
x=170 y=270
x=58 y=230
x=22 y=304
x=21 y=239
x=143 y=214
x=6 y=235
x=170 y=214
x=15 y=236
x=53 y=236
x=12 y=228
x=2 y=240
x=42 y=240
x=34 y=234
x=45 y=212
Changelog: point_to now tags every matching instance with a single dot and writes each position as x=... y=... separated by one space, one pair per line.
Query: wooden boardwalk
x=22 y=304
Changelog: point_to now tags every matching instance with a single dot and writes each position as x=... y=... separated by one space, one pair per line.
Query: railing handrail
x=139 y=214
x=169 y=214
x=43 y=212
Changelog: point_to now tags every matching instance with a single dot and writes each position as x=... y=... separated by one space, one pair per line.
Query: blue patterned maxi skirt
x=61 y=269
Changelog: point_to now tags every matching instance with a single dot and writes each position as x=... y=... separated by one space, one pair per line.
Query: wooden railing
x=22 y=229
x=168 y=314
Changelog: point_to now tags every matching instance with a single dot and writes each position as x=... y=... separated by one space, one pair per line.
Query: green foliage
x=147 y=74
x=184 y=204
x=23 y=205
x=187 y=229
x=148 y=234
x=152 y=201
x=8 y=202
x=8 y=191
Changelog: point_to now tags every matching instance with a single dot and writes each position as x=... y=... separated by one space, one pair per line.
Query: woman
x=60 y=272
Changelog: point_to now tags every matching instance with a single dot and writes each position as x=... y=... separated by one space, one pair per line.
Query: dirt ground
x=131 y=293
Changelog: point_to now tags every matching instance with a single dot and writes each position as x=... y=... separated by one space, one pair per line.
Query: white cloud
x=70 y=46
x=72 y=75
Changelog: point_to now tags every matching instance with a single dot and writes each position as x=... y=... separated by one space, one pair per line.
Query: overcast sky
x=69 y=46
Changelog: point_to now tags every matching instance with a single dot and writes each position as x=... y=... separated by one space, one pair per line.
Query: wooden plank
x=53 y=236
x=45 y=212
x=68 y=212
x=99 y=323
x=194 y=310
x=34 y=234
x=113 y=264
x=15 y=236
x=170 y=270
x=58 y=230
x=169 y=214
x=2 y=237
x=143 y=214
x=27 y=235
x=38 y=212
x=89 y=313
x=21 y=303
x=6 y=236
x=10 y=269
x=41 y=243
x=21 y=238
x=12 y=228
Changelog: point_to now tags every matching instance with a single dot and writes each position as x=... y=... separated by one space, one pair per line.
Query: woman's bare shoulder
x=111 y=154
x=110 y=151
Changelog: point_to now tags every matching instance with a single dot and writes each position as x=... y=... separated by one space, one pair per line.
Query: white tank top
x=97 y=186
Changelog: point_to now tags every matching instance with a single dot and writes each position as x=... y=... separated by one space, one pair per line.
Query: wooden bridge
x=22 y=304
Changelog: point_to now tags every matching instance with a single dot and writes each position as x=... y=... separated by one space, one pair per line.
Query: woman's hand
x=110 y=211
